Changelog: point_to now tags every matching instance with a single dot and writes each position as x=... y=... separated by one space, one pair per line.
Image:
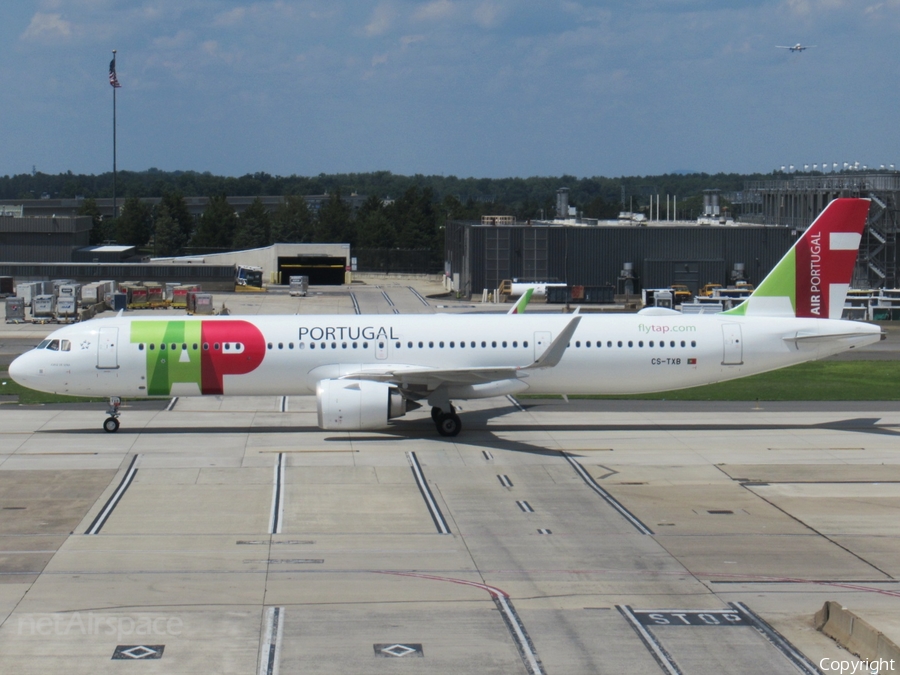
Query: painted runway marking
x=608 y=498
x=525 y=506
x=172 y=404
x=419 y=296
x=512 y=399
x=277 y=515
x=355 y=303
x=544 y=531
x=114 y=500
x=487 y=455
x=270 y=655
x=283 y=403
x=501 y=598
x=398 y=650
x=433 y=508
x=505 y=481
x=777 y=639
x=663 y=658
x=137 y=652
x=390 y=302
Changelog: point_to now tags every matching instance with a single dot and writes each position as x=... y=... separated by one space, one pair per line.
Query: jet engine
x=358 y=404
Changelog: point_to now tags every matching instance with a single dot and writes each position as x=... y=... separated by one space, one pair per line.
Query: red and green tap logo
x=198 y=352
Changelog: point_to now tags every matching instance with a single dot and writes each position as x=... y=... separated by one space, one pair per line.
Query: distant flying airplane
x=367 y=370
x=796 y=48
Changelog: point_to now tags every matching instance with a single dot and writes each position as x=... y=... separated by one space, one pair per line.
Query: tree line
x=521 y=197
x=400 y=212
x=412 y=222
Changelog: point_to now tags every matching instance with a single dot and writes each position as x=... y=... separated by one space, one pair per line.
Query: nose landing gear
x=111 y=423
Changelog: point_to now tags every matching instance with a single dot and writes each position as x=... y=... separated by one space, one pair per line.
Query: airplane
x=796 y=48
x=368 y=370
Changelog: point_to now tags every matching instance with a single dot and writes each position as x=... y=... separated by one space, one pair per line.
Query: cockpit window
x=54 y=345
x=65 y=345
x=43 y=344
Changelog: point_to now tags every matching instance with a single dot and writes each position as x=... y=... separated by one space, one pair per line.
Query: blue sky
x=485 y=88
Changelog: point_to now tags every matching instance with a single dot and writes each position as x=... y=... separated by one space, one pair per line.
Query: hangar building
x=480 y=256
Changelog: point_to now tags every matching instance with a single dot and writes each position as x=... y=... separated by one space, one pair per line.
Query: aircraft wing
x=405 y=376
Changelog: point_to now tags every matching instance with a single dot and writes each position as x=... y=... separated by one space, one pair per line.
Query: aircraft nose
x=18 y=370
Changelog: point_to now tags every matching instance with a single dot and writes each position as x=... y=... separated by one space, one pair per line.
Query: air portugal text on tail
x=368 y=370
x=812 y=280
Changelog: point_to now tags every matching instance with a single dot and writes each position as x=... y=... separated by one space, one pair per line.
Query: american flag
x=113 y=80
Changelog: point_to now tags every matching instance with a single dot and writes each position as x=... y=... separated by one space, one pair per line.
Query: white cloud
x=435 y=10
x=382 y=19
x=47 y=27
x=489 y=14
x=180 y=39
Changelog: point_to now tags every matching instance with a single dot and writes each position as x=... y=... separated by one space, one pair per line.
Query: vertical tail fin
x=813 y=278
x=519 y=307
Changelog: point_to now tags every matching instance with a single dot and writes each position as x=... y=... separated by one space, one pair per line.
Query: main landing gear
x=111 y=423
x=447 y=423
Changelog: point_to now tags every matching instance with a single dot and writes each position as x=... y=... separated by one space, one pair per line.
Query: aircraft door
x=107 y=348
x=381 y=348
x=733 y=344
x=542 y=340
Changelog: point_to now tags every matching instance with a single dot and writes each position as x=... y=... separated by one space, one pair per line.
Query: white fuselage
x=288 y=355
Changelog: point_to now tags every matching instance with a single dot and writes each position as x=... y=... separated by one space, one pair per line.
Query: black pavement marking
x=398 y=650
x=419 y=296
x=781 y=643
x=355 y=303
x=512 y=399
x=114 y=499
x=544 y=531
x=525 y=506
x=689 y=617
x=663 y=658
x=138 y=652
x=608 y=498
x=277 y=515
x=433 y=508
x=172 y=403
x=517 y=629
x=505 y=481
x=283 y=403
x=270 y=653
x=487 y=455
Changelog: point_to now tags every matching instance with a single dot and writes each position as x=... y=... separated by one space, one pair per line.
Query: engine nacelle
x=357 y=404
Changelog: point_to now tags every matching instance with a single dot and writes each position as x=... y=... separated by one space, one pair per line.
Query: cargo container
x=56 y=283
x=137 y=296
x=27 y=291
x=70 y=291
x=299 y=286
x=66 y=309
x=43 y=307
x=156 y=295
x=90 y=294
x=180 y=295
x=117 y=301
x=199 y=303
x=15 y=310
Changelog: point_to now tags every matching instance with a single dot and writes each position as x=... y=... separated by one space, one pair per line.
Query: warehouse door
x=322 y=270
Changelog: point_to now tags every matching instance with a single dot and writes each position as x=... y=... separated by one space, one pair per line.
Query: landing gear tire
x=110 y=425
x=435 y=414
x=448 y=424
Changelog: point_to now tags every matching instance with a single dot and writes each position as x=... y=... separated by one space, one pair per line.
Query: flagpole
x=115 y=204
